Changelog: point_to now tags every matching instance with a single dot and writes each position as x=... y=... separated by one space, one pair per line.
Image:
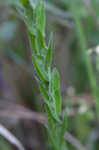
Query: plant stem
x=83 y=45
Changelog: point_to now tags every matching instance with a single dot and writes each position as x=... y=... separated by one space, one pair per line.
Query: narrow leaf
x=41 y=41
x=48 y=59
x=49 y=103
x=30 y=27
x=43 y=92
x=24 y=2
x=51 y=120
x=56 y=91
x=33 y=43
x=63 y=128
x=40 y=17
x=40 y=71
x=53 y=140
x=53 y=111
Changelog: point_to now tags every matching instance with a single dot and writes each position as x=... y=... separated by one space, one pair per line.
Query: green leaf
x=27 y=19
x=50 y=82
x=48 y=58
x=57 y=97
x=53 y=111
x=40 y=17
x=35 y=48
x=43 y=92
x=38 y=41
x=48 y=102
x=30 y=26
x=63 y=128
x=24 y=2
x=53 y=140
x=51 y=120
x=33 y=43
x=40 y=71
x=56 y=91
x=28 y=9
x=41 y=41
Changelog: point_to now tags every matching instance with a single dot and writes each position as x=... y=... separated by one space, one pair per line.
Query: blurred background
x=21 y=105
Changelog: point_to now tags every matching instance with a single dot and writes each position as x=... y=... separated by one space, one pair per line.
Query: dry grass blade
x=75 y=142
x=20 y=112
x=10 y=137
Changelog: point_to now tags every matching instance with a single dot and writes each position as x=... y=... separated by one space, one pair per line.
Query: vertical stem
x=83 y=45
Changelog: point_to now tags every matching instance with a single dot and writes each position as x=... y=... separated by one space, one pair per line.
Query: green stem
x=83 y=46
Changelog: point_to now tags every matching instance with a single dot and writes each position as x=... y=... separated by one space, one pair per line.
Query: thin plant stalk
x=46 y=76
x=83 y=46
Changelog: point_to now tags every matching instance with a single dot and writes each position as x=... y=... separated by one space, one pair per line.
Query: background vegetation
x=75 y=26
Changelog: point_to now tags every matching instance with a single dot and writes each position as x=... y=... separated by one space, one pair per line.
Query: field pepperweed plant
x=46 y=77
